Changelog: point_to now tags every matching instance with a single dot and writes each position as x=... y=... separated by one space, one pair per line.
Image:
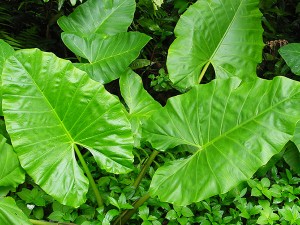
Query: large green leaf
x=233 y=130
x=104 y=17
x=140 y=103
x=5 y=52
x=296 y=138
x=292 y=156
x=291 y=54
x=49 y=107
x=225 y=33
x=11 y=172
x=108 y=58
x=10 y=214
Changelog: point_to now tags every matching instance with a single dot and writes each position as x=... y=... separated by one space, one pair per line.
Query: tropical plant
x=57 y=113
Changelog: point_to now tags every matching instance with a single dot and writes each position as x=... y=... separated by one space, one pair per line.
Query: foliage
x=225 y=34
x=60 y=121
x=221 y=156
x=104 y=42
x=10 y=213
x=59 y=130
x=291 y=54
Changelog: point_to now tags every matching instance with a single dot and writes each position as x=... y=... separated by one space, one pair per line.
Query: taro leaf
x=292 y=156
x=12 y=173
x=224 y=33
x=108 y=58
x=235 y=130
x=104 y=17
x=140 y=103
x=291 y=55
x=50 y=106
x=5 y=52
x=5 y=190
x=10 y=214
x=296 y=138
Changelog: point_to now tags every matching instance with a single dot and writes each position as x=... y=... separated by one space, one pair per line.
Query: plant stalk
x=126 y=215
x=144 y=169
x=203 y=72
x=90 y=177
x=40 y=222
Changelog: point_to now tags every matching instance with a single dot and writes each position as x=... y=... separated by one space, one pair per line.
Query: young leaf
x=291 y=55
x=108 y=58
x=140 y=103
x=102 y=17
x=49 y=107
x=12 y=173
x=5 y=52
x=226 y=34
x=235 y=130
x=11 y=214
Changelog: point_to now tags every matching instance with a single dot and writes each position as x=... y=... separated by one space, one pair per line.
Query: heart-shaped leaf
x=11 y=214
x=233 y=131
x=291 y=54
x=104 y=17
x=49 y=107
x=5 y=52
x=108 y=58
x=225 y=33
x=12 y=173
x=140 y=103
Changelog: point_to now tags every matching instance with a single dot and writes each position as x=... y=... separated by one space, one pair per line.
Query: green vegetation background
x=271 y=197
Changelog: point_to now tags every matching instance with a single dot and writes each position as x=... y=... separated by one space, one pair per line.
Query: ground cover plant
x=73 y=152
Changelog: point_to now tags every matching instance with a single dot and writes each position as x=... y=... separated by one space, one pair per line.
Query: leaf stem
x=90 y=177
x=203 y=72
x=40 y=222
x=145 y=168
x=126 y=215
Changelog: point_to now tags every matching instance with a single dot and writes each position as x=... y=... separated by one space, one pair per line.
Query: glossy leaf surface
x=296 y=138
x=10 y=214
x=12 y=173
x=140 y=103
x=104 y=17
x=291 y=55
x=49 y=107
x=5 y=52
x=108 y=58
x=233 y=130
x=226 y=34
x=292 y=157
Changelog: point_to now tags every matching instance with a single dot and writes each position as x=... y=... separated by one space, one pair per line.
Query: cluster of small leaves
x=273 y=199
x=281 y=26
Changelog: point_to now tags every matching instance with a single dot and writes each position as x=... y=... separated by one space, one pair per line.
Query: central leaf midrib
x=114 y=55
x=49 y=104
x=108 y=16
x=226 y=32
